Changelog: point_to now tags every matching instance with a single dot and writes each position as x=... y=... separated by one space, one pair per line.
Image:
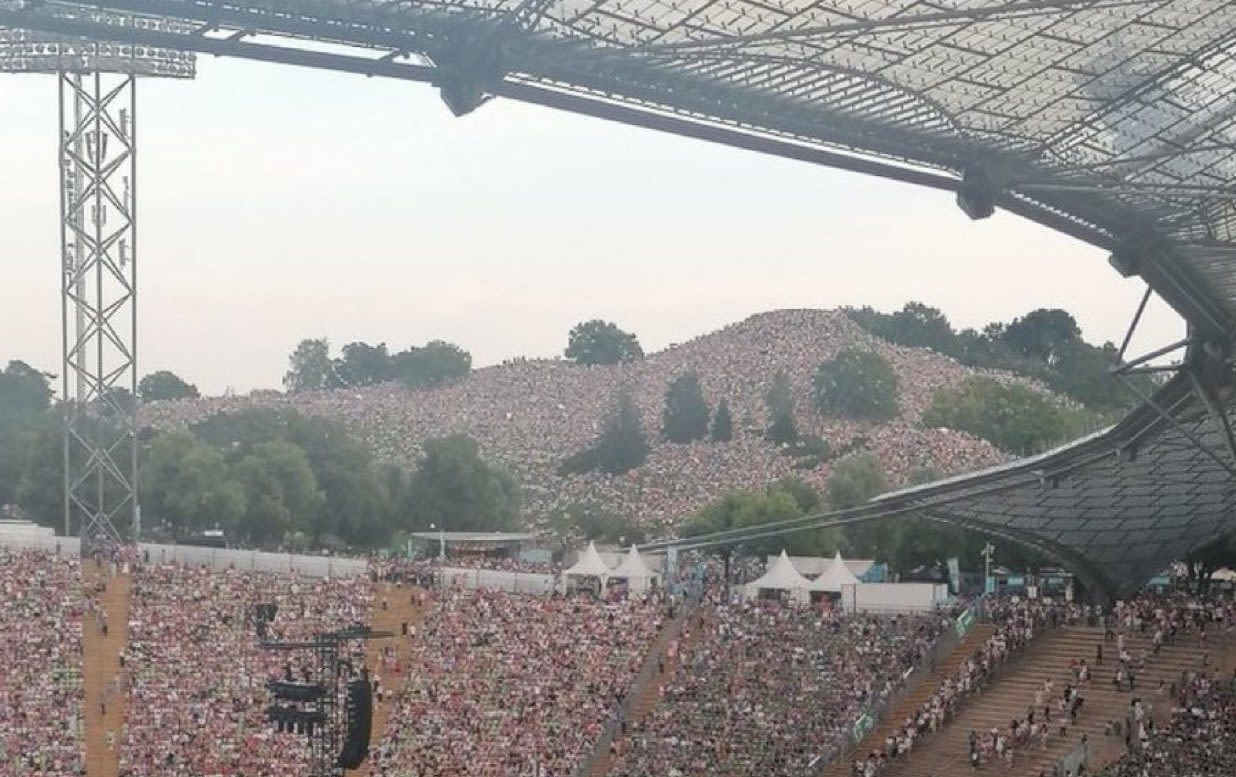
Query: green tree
x=1042 y=334
x=805 y=495
x=910 y=541
x=357 y=506
x=188 y=486
x=723 y=514
x=433 y=364
x=310 y=367
x=458 y=491
x=163 y=385
x=25 y=397
x=1012 y=417
x=916 y=325
x=922 y=326
x=32 y=466
x=1044 y=344
x=362 y=364
x=986 y=348
x=857 y=384
x=722 y=429
x=1081 y=372
x=782 y=501
x=25 y=393
x=854 y=480
x=621 y=446
x=358 y=509
x=281 y=492
x=601 y=342
x=685 y=417
x=782 y=429
x=598 y=523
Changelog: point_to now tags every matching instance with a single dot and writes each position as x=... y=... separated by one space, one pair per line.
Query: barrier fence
x=494 y=579
x=218 y=558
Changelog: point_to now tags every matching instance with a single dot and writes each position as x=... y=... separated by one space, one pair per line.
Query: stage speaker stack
x=359 y=722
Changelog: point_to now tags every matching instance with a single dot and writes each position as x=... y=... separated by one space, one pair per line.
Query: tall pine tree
x=780 y=400
x=685 y=417
x=722 y=423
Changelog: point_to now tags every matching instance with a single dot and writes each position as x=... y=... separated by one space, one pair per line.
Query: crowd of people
x=500 y=684
x=508 y=685
x=196 y=675
x=764 y=688
x=1199 y=740
x=530 y=414
x=41 y=691
x=1017 y=622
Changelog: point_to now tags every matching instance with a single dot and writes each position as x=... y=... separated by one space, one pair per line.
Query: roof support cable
x=1216 y=413
x=1174 y=422
x=1137 y=318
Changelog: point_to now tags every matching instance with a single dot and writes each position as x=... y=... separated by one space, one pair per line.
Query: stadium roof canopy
x=1116 y=507
x=1110 y=120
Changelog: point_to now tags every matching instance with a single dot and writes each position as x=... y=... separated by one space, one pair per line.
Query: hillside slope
x=530 y=415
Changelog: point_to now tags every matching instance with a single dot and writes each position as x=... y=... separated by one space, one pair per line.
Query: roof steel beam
x=1141 y=159
x=900 y=22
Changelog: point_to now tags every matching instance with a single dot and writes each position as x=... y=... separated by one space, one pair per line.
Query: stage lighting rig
x=333 y=704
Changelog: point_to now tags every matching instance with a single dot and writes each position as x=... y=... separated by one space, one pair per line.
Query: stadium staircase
x=1011 y=692
x=647 y=690
x=400 y=609
x=914 y=697
x=104 y=690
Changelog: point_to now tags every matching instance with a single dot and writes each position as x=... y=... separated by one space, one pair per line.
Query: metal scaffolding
x=98 y=238
x=97 y=150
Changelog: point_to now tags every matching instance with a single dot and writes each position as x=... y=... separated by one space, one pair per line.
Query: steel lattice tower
x=98 y=231
x=97 y=153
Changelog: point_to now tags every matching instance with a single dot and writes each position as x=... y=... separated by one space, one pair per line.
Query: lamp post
x=441 y=541
x=989 y=551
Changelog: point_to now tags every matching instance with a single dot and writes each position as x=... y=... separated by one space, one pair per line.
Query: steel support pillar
x=98 y=236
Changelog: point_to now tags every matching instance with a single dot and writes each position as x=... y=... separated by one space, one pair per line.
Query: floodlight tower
x=97 y=149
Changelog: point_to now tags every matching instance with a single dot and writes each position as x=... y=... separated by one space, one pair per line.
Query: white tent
x=589 y=565
x=834 y=576
x=635 y=572
x=780 y=576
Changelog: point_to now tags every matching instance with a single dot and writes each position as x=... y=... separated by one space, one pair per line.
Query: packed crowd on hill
x=506 y=685
x=41 y=695
x=769 y=689
x=1198 y=741
x=529 y=415
x=197 y=677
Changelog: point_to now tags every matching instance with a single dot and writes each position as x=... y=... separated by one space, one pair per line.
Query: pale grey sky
x=278 y=203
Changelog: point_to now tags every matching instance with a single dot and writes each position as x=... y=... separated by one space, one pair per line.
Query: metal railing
x=875 y=714
x=655 y=656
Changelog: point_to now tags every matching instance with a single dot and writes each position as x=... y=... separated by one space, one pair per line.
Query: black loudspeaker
x=976 y=196
x=360 y=721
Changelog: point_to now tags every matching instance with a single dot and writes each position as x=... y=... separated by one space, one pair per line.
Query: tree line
x=311 y=367
x=268 y=478
x=1045 y=344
